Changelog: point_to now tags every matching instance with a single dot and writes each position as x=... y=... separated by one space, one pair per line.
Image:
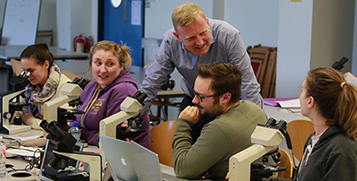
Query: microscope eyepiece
x=81 y=82
x=44 y=125
x=142 y=97
x=338 y=65
x=137 y=94
x=24 y=74
x=53 y=127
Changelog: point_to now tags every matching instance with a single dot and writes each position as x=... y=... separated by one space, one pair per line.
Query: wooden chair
x=285 y=161
x=161 y=141
x=16 y=66
x=45 y=33
x=299 y=130
x=258 y=57
x=263 y=60
x=268 y=83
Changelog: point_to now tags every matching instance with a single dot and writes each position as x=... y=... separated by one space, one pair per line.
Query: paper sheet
x=18 y=138
x=273 y=101
x=293 y=103
x=23 y=151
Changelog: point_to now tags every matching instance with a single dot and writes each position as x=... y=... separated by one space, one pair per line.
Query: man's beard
x=209 y=114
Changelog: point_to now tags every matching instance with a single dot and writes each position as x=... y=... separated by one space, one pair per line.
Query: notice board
x=20 y=22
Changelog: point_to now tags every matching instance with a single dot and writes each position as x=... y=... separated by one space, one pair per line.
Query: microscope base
x=53 y=174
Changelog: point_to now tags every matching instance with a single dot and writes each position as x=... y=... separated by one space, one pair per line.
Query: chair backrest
x=285 y=161
x=16 y=66
x=161 y=141
x=70 y=75
x=299 y=130
x=263 y=61
x=258 y=57
x=45 y=33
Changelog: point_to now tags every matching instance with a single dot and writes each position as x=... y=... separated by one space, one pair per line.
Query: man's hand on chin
x=190 y=113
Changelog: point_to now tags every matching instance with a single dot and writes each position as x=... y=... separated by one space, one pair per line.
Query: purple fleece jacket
x=107 y=104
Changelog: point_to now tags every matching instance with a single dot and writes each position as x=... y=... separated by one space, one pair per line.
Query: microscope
x=265 y=139
x=10 y=102
x=58 y=160
x=169 y=84
x=130 y=108
x=71 y=92
x=338 y=65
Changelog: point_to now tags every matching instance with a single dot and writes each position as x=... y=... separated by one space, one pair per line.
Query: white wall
x=257 y=20
x=94 y=20
x=81 y=18
x=47 y=15
x=74 y=18
x=47 y=19
x=63 y=17
x=2 y=11
x=294 y=46
x=218 y=9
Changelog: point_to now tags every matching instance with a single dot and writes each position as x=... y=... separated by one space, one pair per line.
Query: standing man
x=195 y=40
x=217 y=94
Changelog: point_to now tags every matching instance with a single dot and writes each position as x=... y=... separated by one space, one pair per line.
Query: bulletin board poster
x=20 y=22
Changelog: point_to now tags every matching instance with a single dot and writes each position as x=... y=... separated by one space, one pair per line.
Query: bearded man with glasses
x=217 y=94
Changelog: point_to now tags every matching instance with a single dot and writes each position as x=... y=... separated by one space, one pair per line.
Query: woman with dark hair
x=331 y=150
x=45 y=79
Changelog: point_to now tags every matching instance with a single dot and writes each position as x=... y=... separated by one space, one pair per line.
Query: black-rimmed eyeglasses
x=202 y=97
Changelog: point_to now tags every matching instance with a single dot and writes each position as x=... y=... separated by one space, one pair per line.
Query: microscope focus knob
x=7 y=115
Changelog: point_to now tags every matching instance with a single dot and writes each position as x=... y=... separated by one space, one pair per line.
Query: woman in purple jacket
x=103 y=96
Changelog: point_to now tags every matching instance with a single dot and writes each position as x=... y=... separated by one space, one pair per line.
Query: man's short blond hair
x=185 y=14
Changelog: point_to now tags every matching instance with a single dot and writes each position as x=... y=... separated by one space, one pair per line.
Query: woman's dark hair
x=40 y=53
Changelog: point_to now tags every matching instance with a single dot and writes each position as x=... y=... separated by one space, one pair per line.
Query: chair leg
x=165 y=111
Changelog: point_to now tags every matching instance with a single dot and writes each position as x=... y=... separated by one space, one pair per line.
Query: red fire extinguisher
x=78 y=44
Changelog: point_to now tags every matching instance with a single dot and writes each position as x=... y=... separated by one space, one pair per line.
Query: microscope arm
x=5 y=126
x=130 y=107
x=50 y=107
x=109 y=124
x=264 y=140
x=4 y=119
x=70 y=92
x=94 y=161
x=239 y=164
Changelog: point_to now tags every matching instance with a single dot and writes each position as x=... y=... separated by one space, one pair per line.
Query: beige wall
x=332 y=32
